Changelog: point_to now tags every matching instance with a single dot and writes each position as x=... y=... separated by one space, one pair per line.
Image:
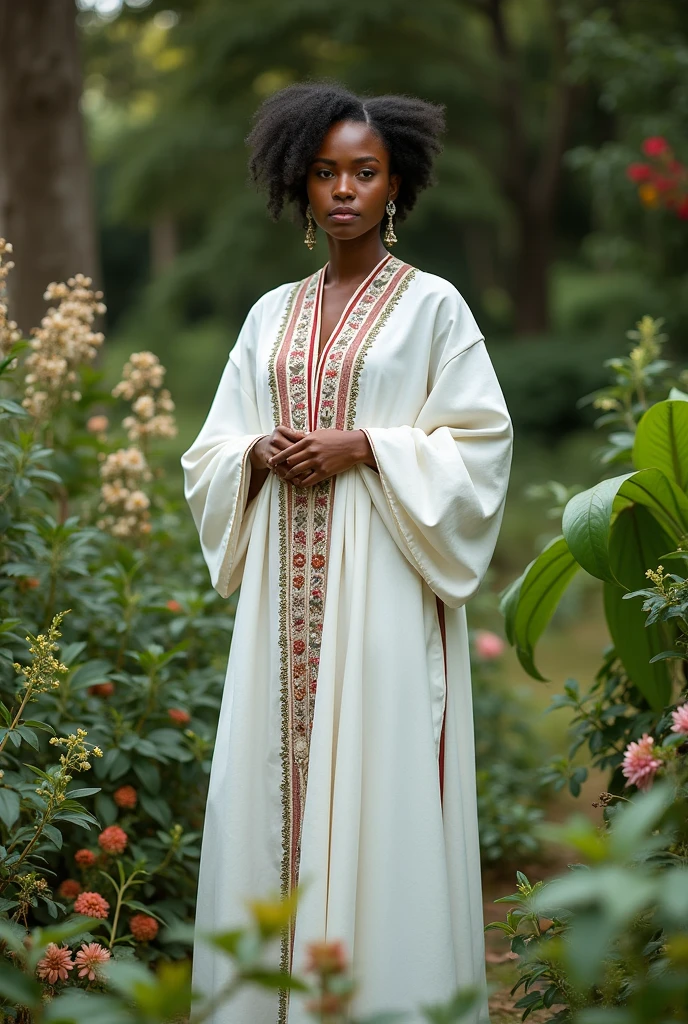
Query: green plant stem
x=17 y=717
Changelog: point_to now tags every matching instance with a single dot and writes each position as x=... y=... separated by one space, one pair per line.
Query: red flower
x=174 y=606
x=318 y=561
x=299 y=560
x=102 y=689
x=113 y=839
x=143 y=927
x=299 y=647
x=638 y=172
x=326 y=958
x=300 y=537
x=179 y=715
x=69 y=888
x=313 y=685
x=682 y=209
x=92 y=904
x=85 y=858
x=656 y=145
x=299 y=582
x=125 y=796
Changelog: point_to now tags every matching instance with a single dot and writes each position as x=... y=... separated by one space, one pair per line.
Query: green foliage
x=607 y=943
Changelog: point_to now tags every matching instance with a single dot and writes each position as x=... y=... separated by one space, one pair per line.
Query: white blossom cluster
x=61 y=344
x=125 y=503
x=151 y=404
x=9 y=332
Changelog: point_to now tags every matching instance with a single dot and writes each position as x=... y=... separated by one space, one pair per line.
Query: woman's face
x=348 y=181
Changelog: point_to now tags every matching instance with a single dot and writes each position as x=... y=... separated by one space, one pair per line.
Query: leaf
x=53 y=834
x=588 y=516
x=91 y=672
x=529 y=603
x=637 y=543
x=661 y=441
x=17 y=986
x=29 y=736
x=9 y=806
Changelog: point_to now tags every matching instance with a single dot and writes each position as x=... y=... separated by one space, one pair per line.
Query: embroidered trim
x=308 y=392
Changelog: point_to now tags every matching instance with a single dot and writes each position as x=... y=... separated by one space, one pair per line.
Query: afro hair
x=289 y=127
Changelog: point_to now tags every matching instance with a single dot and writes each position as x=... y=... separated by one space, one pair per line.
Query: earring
x=390 y=238
x=310 y=238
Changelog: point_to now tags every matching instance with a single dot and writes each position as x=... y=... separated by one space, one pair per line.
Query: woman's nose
x=344 y=188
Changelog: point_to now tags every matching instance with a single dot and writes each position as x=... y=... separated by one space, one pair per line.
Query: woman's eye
x=366 y=172
x=323 y=172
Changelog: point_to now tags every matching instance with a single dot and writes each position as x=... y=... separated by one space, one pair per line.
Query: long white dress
x=344 y=756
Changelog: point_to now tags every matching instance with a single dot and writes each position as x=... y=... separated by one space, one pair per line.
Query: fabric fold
x=442 y=478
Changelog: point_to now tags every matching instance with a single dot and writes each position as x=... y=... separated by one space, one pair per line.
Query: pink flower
x=179 y=715
x=55 y=964
x=90 y=958
x=680 y=717
x=638 y=172
x=639 y=764
x=92 y=904
x=488 y=646
x=97 y=424
x=85 y=858
x=69 y=888
x=113 y=839
x=125 y=796
x=174 y=606
x=143 y=927
x=326 y=958
x=656 y=145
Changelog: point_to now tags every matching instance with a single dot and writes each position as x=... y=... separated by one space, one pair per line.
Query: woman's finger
x=291 y=434
x=304 y=467
x=293 y=449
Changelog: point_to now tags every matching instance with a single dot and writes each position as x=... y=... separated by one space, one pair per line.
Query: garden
x=113 y=644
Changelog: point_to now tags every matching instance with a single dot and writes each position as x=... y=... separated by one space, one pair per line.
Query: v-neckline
x=346 y=312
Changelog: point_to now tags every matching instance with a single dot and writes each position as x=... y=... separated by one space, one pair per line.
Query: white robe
x=344 y=587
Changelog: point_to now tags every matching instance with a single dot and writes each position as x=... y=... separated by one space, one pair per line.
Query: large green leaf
x=637 y=544
x=529 y=602
x=588 y=517
x=661 y=441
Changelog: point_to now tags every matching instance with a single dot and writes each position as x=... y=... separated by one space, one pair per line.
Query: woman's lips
x=343 y=217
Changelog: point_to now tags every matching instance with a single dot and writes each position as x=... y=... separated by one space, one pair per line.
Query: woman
x=351 y=475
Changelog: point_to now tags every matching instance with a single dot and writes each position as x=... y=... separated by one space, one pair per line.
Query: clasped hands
x=305 y=459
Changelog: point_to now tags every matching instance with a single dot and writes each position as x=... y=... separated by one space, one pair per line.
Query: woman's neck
x=353 y=259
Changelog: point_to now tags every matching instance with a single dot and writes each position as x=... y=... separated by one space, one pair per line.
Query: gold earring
x=390 y=238
x=310 y=238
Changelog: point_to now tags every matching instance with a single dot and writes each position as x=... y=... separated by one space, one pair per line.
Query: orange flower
x=97 y=424
x=55 y=964
x=649 y=196
x=317 y=561
x=29 y=583
x=69 y=888
x=143 y=927
x=174 y=606
x=125 y=796
x=179 y=715
x=92 y=904
x=113 y=839
x=85 y=858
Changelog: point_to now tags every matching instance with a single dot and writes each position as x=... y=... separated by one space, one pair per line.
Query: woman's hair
x=289 y=127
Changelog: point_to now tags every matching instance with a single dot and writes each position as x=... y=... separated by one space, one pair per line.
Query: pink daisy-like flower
x=113 y=839
x=90 y=958
x=639 y=763
x=56 y=964
x=680 y=717
x=488 y=646
x=92 y=904
x=85 y=858
x=143 y=927
x=656 y=145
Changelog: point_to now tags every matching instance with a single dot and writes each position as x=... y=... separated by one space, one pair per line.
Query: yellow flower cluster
x=9 y=332
x=64 y=340
x=152 y=405
x=41 y=674
x=127 y=505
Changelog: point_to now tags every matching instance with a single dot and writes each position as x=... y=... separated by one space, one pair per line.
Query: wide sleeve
x=217 y=469
x=442 y=481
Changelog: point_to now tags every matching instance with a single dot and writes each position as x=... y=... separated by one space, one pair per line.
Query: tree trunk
x=46 y=207
x=532 y=272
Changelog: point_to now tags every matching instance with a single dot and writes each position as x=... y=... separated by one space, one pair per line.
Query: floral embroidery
x=310 y=392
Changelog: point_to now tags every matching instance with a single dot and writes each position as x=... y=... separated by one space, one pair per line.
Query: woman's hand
x=272 y=444
x=321 y=454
